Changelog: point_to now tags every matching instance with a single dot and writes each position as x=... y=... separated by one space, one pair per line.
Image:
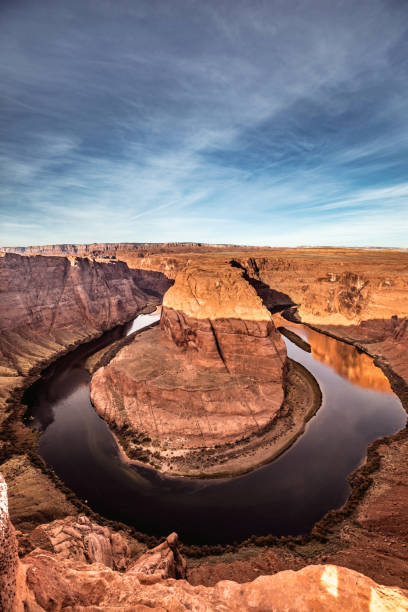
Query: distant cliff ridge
x=112 y=248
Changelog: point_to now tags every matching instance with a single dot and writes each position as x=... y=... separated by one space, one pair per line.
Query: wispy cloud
x=383 y=197
x=224 y=122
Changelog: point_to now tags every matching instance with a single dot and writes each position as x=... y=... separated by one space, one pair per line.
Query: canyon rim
x=208 y=391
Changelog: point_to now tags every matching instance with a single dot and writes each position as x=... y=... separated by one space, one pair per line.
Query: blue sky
x=279 y=122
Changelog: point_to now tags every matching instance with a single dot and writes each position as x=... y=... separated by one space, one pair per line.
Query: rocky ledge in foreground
x=208 y=380
x=75 y=573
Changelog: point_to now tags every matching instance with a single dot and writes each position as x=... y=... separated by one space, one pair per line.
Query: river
x=284 y=497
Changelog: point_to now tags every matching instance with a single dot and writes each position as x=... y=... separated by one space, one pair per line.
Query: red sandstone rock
x=311 y=278
x=212 y=374
x=8 y=554
x=80 y=539
x=49 y=304
x=109 y=249
x=330 y=285
x=164 y=560
x=45 y=582
x=48 y=295
x=56 y=585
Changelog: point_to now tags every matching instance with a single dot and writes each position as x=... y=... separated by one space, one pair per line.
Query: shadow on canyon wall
x=67 y=362
x=154 y=283
x=273 y=300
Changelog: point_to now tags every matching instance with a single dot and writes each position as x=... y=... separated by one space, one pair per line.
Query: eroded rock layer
x=350 y=293
x=212 y=374
x=49 y=304
x=45 y=580
x=55 y=585
x=329 y=285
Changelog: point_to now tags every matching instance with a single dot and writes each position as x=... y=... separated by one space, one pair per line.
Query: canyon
x=51 y=304
x=209 y=377
x=199 y=393
x=75 y=566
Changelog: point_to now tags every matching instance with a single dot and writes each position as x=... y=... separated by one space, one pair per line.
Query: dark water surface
x=285 y=497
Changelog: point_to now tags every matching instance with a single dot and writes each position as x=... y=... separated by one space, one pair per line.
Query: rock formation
x=8 y=554
x=112 y=249
x=55 y=585
x=33 y=497
x=164 y=560
x=329 y=285
x=44 y=581
x=80 y=539
x=50 y=295
x=336 y=286
x=361 y=296
x=49 y=304
x=212 y=375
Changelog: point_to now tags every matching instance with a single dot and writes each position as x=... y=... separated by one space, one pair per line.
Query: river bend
x=284 y=497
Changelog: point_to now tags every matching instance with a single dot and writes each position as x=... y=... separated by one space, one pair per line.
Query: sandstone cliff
x=8 y=554
x=334 y=287
x=49 y=304
x=329 y=285
x=55 y=585
x=111 y=249
x=212 y=375
x=46 y=581
x=362 y=297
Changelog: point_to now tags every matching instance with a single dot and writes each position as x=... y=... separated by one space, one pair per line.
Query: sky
x=261 y=122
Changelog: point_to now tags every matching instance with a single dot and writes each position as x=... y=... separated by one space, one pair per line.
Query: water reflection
x=286 y=496
x=358 y=368
x=142 y=321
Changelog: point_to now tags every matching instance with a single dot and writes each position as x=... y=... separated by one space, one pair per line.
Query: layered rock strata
x=81 y=539
x=210 y=376
x=369 y=535
x=373 y=539
x=49 y=304
x=8 y=554
x=33 y=497
x=44 y=581
x=336 y=287
x=329 y=285
x=55 y=585
x=164 y=561
x=111 y=249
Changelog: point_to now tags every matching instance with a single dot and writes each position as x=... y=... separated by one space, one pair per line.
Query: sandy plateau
x=208 y=391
